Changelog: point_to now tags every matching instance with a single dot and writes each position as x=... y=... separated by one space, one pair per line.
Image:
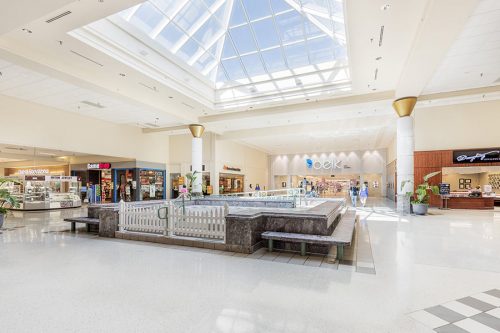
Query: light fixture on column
x=197 y=130
x=404 y=106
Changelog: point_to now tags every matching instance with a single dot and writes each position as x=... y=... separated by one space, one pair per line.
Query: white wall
x=473 y=125
x=392 y=151
x=28 y=124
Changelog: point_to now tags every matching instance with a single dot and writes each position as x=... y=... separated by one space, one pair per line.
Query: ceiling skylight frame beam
x=318 y=24
x=197 y=26
x=167 y=19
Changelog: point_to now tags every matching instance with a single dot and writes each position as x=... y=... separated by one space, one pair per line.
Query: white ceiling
x=23 y=83
x=474 y=59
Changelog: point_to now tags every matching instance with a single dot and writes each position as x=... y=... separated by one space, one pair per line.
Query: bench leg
x=302 y=249
x=73 y=226
x=270 y=245
x=340 y=252
x=88 y=227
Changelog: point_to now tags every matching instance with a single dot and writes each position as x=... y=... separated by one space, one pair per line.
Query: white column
x=196 y=163
x=404 y=164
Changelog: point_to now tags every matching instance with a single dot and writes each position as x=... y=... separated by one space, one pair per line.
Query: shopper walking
x=354 y=195
x=363 y=194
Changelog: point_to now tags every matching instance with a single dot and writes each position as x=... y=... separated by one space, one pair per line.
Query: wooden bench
x=88 y=221
x=342 y=236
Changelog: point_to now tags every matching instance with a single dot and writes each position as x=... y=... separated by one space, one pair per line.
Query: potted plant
x=191 y=177
x=7 y=201
x=420 y=202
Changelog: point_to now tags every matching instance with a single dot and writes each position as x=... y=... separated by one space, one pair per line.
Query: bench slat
x=86 y=220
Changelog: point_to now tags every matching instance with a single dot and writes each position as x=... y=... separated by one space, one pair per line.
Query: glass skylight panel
x=265 y=33
x=228 y=49
x=290 y=27
x=146 y=17
x=257 y=9
x=211 y=28
x=243 y=40
x=274 y=60
x=253 y=65
x=188 y=16
x=237 y=14
x=321 y=50
x=233 y=69
x=296 y=55
x=188 y=49
x=169 y=36
x=279 y=6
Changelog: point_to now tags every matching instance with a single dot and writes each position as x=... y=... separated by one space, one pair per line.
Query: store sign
x=37 y=178
x=444 y=189
x=98 y=166
x=33 y=172
x=231 y=168
x=476 y=156
x=330 y=164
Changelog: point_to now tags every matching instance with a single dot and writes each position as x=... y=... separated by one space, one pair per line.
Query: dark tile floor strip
x=451 y=328
x=445 y=313
x=488 y=320
x=493 y=292
x=476 y=304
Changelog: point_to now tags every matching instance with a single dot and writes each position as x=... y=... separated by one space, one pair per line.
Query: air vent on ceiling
x=151 y=125
x=96 y=105
x=381 y=37
x=55 y=18
x=16 y=148
x=87 y=58
x=375 y=76
x=187 y=105
x=149 y=87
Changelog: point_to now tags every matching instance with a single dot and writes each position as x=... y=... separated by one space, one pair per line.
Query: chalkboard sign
x=444 y=189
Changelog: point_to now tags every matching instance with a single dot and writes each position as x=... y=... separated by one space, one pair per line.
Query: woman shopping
x=363 y=194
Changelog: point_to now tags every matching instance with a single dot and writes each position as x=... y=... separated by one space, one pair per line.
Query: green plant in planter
x=7 y=201
x=191 y=177
x=422 y=192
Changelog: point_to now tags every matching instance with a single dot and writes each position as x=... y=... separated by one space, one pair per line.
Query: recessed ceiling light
x=385 y=7
x=170 y=97
x=378 y=58
x=122 y=74
x=27 y=31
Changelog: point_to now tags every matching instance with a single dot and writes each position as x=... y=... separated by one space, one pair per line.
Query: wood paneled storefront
x=429 y=161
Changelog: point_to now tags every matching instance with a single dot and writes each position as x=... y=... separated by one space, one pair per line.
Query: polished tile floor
x=55 y=281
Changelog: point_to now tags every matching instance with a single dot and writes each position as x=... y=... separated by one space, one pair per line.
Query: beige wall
x=392 y=151
x=473 y=125
x=453 y=180
x=217 y=153
x=33 y=125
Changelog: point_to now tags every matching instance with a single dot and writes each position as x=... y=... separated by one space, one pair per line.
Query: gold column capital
x=404 y=106
x=197 y=130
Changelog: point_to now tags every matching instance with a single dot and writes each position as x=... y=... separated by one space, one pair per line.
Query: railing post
x=121 y=216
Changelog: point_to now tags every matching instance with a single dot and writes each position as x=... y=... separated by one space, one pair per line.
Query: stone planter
x=2 y=218
x=420 y=209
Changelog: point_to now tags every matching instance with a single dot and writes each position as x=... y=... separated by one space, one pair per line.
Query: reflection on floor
x=55 y=281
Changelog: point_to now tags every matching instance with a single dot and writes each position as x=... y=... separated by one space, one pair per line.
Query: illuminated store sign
x=491 y=155
x=98 y=166
x=329 y=164
x=34 y=172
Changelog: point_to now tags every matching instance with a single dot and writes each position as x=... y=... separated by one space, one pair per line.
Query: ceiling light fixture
x=27 y=31
x=123 y=74
x=378 y=58
x=385 y=7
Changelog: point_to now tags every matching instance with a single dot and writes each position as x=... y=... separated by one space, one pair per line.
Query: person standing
x=354 y=195
x=363 y=194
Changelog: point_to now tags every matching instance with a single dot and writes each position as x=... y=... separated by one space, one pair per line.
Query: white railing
x=295 y=194
x=172 y=219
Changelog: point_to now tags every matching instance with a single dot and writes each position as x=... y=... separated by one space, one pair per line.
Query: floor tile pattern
x=479 y=313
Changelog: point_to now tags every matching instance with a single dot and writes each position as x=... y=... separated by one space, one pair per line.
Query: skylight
x=247 y=48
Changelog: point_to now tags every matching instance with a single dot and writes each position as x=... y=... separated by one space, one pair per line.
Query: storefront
x=127 y=181
x=471 y=178
x=177 y=181
x=330 y=174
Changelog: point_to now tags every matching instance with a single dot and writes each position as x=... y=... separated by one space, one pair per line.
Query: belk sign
x=491 y=155
x=329 y=164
